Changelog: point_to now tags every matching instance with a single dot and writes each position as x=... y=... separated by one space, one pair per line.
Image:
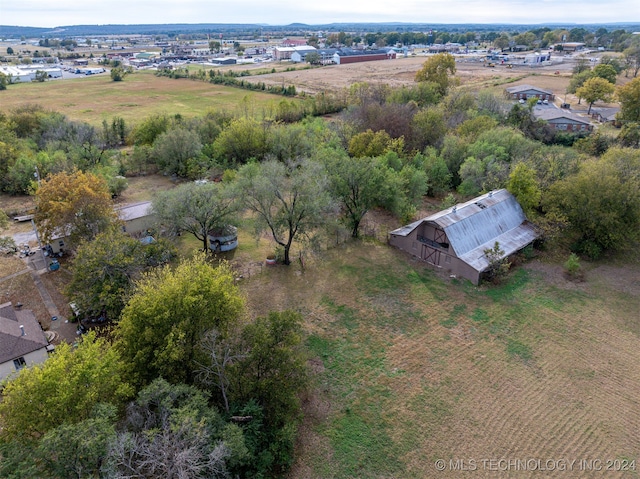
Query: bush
x=572 y=267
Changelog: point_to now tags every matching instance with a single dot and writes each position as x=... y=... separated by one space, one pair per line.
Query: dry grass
x=411 y=368
x=97 y=98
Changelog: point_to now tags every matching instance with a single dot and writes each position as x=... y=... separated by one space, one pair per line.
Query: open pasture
x=96 y=98
x=411 y=368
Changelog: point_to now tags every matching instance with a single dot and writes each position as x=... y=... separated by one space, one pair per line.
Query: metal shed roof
x=135 y=210
x=476 y=225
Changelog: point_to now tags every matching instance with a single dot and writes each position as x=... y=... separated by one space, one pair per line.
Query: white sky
x=52 y=13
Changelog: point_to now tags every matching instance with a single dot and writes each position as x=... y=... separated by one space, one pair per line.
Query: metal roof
x=134 y=211
x=476 y=225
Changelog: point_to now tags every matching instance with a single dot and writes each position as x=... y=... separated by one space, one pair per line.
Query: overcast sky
x=52 y=13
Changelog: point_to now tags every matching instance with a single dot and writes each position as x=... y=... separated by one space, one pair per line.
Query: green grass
x=376 y=421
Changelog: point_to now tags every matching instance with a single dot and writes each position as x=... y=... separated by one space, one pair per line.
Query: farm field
x=139 y=95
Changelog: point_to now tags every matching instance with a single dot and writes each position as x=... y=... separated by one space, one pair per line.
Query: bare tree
x=222 y=353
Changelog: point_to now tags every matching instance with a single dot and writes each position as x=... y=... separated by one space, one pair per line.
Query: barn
x=455 y=239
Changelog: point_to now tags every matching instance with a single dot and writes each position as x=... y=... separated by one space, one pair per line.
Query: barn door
x=430 y=255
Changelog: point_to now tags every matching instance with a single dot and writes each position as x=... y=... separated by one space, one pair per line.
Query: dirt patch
x=402 y=71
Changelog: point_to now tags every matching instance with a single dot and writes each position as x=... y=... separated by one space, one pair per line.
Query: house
x=525 y=92
x=605 y=115
x=137 y=218
x=455 y=239
x=562 y=120
x=347 y=55
x=22 y=340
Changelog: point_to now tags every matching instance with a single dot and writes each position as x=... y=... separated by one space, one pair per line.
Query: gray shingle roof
x=13 y=344
x=523 y=88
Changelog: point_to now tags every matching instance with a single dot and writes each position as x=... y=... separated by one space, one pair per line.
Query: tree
x=577 y=80
x=62 y=390
x=289 y=200
x=196 y=208
x=177 y=151
x=73 y=204
x=214 y=46
x=595 y=89
x=523 y=184
x=104 y=270
x=172 y=432
x=118 y=73
x=161 y=326
x=629 y=96
x=313 y=58
x=274 y=374
x=438 y=69
x=79 y=449
x=357 y=183
x=601 y=201
x=631 y=56
x=607 y=72
x=9 y=51
x=242 y=139
x=498 y=263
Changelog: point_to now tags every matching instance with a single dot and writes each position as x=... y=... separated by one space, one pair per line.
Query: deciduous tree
x=103 y=271
x=595 y=89
x=73 y=204
x=438 y=69
x=196 y=208
x=289 y=200
x=62 y=390
x=601 y=201
x=357 y=183
x=162 y=324
x=629 y=96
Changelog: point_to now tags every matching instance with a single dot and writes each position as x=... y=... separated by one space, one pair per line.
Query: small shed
x=138 y=218
x=455 y=239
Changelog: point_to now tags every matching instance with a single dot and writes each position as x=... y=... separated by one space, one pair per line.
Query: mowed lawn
x=410 y=367
x=139 y=95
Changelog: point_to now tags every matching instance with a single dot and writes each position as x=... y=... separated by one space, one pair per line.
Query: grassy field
x=141 y=94
x=411 y=368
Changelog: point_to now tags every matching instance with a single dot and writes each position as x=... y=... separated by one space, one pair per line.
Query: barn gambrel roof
x=476 y=225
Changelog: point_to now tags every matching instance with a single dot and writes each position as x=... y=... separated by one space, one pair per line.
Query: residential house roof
x=552 y=114
x=20 y=333
x=524 y=88
x=606 y=114
x=476 y=225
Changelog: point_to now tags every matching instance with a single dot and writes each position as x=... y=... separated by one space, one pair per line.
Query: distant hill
x=8 y=31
